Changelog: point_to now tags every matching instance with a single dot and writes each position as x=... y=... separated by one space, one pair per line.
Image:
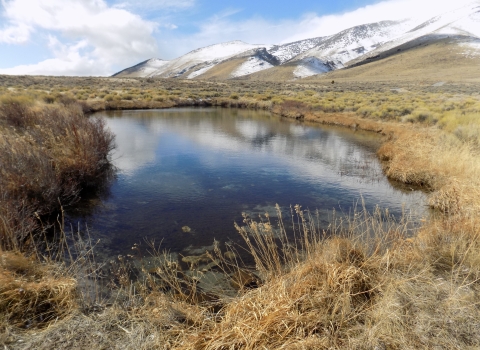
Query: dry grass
x=426 y=159
x=33 y=294
x=48 y=154
x=361 y=285
x=366 y=282
x=363 y=288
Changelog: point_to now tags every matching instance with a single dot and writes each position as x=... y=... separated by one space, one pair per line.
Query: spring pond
x=185 y=175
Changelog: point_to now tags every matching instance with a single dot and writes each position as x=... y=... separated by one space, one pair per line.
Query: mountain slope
x=286 y=52
x=143 y=69
x=352 y=47
x=250 y=59
x=200 y=60
x=242 y=64
x=336 y=50
x=434 y=59
x=333 y=52
x=464 y=21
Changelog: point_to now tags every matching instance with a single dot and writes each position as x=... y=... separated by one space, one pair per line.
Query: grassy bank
x=49 y=154
x=369 y=285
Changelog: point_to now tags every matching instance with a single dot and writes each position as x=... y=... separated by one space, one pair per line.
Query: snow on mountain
x=202 y=70
x=471 y=23
x=286 y=52
x=201 y=60
x=252 y=65
x=311 y=66
x=144 y=68
x=335 y=51
x=256 y=60
x=463 y=21
x=317 y=55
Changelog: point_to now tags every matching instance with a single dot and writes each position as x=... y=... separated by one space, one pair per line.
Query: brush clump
x=33 y=294
x=48 y=154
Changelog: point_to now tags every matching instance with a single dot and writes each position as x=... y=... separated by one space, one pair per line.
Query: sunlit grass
x=366 y=281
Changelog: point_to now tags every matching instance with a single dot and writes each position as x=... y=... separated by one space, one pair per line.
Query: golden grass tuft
x=364 y=287
x=425 y=158
x=31 y=294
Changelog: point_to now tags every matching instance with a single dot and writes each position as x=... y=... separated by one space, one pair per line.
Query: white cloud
x=167 y=25
x=93 y=36
x=15 y=34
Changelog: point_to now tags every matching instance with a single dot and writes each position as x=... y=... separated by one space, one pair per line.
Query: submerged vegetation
x=366 y=281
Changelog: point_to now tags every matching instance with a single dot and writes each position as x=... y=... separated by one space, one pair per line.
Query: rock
x=186 y=229
x=243 y=279
x=209 y=266
x=230 y=255
x=195 y=259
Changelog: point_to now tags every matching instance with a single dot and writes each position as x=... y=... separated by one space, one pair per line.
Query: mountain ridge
x=309 y=57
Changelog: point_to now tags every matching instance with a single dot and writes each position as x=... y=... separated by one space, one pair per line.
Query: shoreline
x=378 y=297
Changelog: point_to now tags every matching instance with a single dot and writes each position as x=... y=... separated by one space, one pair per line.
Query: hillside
x=431 y=58
x=320 y=56
x=143 y=69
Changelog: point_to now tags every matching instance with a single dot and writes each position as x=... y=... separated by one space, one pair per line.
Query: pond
x=186 y=175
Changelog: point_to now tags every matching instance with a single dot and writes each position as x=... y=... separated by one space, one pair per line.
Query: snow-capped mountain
x=464 y=21
x=143 y=69
x=335 y=51
x=256 y=60
x=198 y=61
x=288 y=51
x=311 y=56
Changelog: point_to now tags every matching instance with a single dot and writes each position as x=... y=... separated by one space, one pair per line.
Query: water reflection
x=203 y=167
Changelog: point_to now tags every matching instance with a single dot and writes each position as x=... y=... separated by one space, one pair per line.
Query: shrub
x=33 y=294
x=48 y=163
x=49 y=99
x=109 y=97
x=16 y=111
x=127 y=97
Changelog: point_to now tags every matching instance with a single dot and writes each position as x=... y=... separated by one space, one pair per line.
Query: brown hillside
x=279 y=73
x=223 y=70
x=443 y=60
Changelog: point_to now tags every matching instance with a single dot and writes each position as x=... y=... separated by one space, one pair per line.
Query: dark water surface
x=202 y=168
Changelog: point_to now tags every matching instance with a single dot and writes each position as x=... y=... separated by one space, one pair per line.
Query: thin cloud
x=15 y=34
x=147 y=7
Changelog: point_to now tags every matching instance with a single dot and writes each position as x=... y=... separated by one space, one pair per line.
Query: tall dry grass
x=33 y=294
x=448 y=167
x=361 y=285
x=48 y=154
x=366 y=286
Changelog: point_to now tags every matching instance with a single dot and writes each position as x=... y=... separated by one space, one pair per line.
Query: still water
x=202 y=168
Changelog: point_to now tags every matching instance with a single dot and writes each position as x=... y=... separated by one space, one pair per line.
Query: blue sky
x=100 y=37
